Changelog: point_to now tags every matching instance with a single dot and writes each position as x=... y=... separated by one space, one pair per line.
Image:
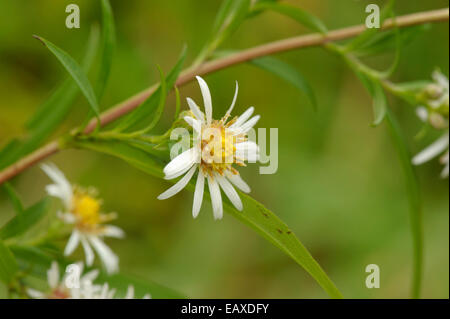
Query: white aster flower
x=73 y=285
x=60 y=289
x=82 y=210
x=218 y=145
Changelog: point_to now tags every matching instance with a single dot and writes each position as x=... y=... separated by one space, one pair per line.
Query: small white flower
x=73 y=285
x=59 y=289
x=82 y=210
x=213 y=157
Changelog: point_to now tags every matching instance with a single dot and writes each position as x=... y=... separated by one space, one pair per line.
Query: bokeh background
x=339 y=185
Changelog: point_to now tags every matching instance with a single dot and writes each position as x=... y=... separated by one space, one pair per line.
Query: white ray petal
x=87 y=251
x=244 y=117
x=237 y=181
x=65 y=192
x=216 y=198
x=244 y=128
x=35 y=294
x=68 y=218
x=445 y=171
x=196 y=124
x=229 y=190
x=179 y=185
x=206 y=98
x=109 y=259
x=198 y=194
x=182 y=162
x=130 y=292
x=234 y=101
x=90 y=276
x=53 y=275
x=113 y=231
x=431 y=151
x=72 y=243
x=248 y=150
x=422 y=113
x=195 y=109
x=441 y=79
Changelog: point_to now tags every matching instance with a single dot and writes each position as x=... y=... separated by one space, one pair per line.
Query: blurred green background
x=339 y=185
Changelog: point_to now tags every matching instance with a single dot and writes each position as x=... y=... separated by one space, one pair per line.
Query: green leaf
x=8 y=153
x=23 y=222
x=287 y=73
x=155 y=110
x=56 y=107
x=254 y=215
x=146 y=109
x=75 y=71
x=379 y=104
x=8 y=264
x=230 y=16
x=108 y=45
x=141 y=287
x=387 y=40
x=301 y=16
x=15 y=200
x=51 y=113
x=367 y=35
x=135 y=156
x=414 y=201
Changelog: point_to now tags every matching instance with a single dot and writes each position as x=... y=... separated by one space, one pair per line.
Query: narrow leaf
x=108 y=45
x=155 y=110
x=287 y=73
x=229 y=17
x=142 y=113
x=8 y=264
x=21 y=223
x=301 y=16
x=414 y=201
x=75 y=71
x=15 y=200
x=367 y=35
x=51 y=113
x=379 y=104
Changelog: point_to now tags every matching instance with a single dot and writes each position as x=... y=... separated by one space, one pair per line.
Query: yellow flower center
x=218 y=148
x=87 y=209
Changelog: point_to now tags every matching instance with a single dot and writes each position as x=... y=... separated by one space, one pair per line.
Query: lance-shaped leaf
x=254 y=215
x=108 y=45
x=8 y=264
x=387 y=41
x=301 y=16
x=379 y=104
x=230 y=16
x=367 y=35
x=51 y=113
x=414 y=201
x=21 y=223
x=287 y=73
x=150 y=106
x=14 y=197
x=75 y=71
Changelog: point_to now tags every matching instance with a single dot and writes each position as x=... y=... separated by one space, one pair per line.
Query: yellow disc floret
x=86 y=209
